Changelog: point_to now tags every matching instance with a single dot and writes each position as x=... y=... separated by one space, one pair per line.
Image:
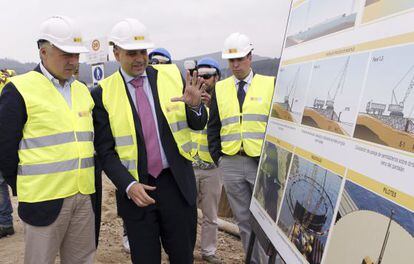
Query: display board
x=336 y=176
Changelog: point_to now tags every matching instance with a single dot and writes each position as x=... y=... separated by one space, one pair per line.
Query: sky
x=185 y=27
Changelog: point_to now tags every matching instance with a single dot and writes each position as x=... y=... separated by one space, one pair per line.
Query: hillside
x=262 y=65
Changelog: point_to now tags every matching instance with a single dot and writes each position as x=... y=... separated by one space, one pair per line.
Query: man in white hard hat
x=236 y=127
x=142 y=123
x=46 y=137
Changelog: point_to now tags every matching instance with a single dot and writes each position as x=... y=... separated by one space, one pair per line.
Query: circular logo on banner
x=96 y=45
x=98 y=73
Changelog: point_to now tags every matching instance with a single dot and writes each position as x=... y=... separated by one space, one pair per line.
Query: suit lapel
x=137 y=121
x=152 y=79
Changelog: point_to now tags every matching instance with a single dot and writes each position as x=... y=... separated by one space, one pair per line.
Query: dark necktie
x=149 y=129
x=241 y=94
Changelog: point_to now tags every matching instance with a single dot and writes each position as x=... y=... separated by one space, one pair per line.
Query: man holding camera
x=208 y=176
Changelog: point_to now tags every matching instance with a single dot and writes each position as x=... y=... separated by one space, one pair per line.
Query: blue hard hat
x=160 y=51
x=210 y=62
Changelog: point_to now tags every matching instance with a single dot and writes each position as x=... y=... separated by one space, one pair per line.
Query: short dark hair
x=41 y=42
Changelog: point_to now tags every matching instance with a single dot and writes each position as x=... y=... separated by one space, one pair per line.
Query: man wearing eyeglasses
x=236 y=127
x=208 y=176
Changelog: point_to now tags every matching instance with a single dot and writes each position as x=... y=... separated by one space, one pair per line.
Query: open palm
x=192 y=91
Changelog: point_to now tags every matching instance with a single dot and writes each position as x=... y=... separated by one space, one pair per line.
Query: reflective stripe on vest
x=48 y=168
x=56 y=139
x=129 y=164
x=200 y=145
x=250 y=130
x=56 y=150
x=124 y=141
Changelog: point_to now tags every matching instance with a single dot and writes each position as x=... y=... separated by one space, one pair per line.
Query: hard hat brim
x=72 y=49
x=135 y=46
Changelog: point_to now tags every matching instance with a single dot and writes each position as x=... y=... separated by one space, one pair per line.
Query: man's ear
x=42 y=52
x=116 y=52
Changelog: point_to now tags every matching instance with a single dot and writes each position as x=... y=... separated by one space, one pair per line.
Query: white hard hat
x=236 y=46
x=63 y=33
x=130 y=34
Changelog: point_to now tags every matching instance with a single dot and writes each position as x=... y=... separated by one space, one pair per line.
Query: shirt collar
x=53 y=79
x=248 y=78
x=128 y=78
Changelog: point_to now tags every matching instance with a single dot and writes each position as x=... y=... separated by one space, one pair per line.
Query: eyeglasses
x=206 y=76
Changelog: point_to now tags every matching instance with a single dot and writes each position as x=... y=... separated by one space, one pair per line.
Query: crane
x=396 y=107
x=290 y=89
x=333 y=91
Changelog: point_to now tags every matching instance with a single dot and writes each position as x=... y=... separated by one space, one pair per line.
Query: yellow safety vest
x=56 y=151
x=200 y=145
x=115 y=101
x=255 y=111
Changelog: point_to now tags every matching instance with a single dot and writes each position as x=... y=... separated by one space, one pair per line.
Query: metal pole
x=387 y=234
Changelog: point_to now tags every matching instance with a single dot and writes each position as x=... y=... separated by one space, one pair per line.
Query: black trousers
x=170 y=222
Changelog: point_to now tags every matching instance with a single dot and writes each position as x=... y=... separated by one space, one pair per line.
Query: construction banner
x=336 y=176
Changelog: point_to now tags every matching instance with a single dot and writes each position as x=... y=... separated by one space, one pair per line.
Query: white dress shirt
x=63 y=90
x=248 y=81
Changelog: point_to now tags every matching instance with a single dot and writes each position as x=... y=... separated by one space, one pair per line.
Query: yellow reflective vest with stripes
x=200 y=145
x=116 y=103
x=56 y=151
x=244 y=129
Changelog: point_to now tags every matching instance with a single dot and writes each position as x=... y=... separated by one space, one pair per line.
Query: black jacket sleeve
x=196 y=122
x=13 y=117
x=105 y=145
x=213 y=130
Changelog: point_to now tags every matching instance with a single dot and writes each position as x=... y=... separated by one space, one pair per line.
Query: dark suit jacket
x=180 y=167
x=13 y=116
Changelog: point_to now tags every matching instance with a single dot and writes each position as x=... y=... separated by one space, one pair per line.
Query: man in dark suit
x=46 y=142
x=142 y=137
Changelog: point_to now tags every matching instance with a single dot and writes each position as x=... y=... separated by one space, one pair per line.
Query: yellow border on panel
x=280 y=143
x=381 y=189
x=327 y=164
x=371 y=45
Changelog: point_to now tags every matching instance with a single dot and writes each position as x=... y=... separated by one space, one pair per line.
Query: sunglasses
x=206 y=76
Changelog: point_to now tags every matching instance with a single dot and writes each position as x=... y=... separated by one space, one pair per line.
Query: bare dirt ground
x=110 y=249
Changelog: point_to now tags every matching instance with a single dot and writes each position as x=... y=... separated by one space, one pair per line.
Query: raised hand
x=192 y=91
